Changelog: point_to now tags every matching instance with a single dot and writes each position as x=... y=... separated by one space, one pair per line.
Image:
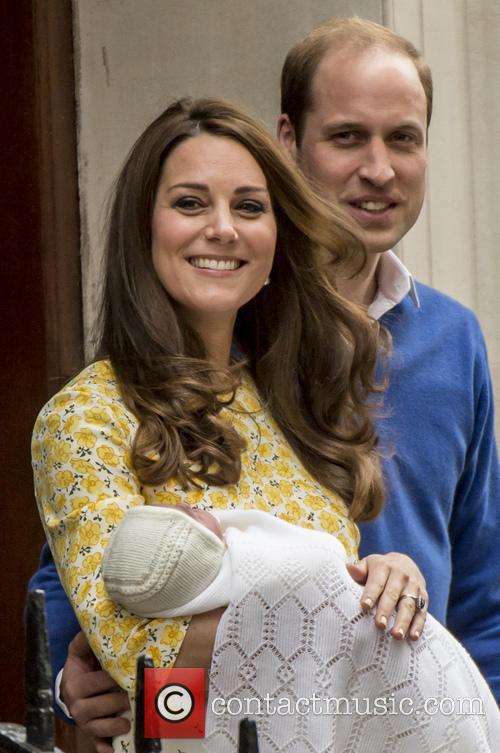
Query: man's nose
x=220 y=226
x=376 y=167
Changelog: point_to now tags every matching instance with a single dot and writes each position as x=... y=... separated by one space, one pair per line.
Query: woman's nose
x=220 y=227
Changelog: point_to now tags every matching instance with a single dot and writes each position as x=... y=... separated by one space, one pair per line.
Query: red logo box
x=174 y=703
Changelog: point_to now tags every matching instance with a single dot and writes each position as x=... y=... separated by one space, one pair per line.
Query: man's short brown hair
x=355 y=34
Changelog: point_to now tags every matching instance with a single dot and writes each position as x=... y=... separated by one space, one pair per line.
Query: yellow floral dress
x=84 y=484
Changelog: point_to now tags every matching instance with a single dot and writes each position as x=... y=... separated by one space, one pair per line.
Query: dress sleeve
x=84 y=484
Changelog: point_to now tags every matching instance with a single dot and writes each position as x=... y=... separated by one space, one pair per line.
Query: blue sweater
x=443 y=479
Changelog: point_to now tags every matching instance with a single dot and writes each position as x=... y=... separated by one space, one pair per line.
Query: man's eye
x=344 y=138
x=188 y=203
x=250 y=206
x=403 y=138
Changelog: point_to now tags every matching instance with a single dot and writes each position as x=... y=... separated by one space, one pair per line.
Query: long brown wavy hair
x=311 y=352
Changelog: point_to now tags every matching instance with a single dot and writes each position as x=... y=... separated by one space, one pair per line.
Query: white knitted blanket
x=294 y=632
x=295 y=652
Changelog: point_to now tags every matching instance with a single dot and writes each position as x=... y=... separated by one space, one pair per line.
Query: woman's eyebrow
x=195 y=186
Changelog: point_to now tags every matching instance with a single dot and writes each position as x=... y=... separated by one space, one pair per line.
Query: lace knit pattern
x=292 y=631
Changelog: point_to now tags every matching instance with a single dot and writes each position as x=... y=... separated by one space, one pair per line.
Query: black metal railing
x=37 y=736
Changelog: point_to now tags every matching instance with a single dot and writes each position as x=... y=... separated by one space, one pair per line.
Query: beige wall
x=455 y=244
x=134 y=56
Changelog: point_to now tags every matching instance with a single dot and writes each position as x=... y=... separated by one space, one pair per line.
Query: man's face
x=364 y=142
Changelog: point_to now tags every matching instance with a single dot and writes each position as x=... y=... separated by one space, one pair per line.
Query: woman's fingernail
x=400 y=632
x=383 y=620
x=416 y=634
x=367 y=602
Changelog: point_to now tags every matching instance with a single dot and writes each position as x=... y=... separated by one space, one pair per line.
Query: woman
x=217 y=252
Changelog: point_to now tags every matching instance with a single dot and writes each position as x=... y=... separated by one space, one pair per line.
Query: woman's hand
x=387 y=578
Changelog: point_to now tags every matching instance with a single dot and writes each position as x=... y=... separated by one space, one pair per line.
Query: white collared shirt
x=394 y=282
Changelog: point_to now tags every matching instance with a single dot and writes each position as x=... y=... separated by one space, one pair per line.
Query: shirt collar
x=394 y=282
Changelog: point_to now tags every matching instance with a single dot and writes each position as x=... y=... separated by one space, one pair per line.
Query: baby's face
x=202 y=516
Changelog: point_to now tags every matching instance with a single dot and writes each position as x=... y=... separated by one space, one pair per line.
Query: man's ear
x=286 y=135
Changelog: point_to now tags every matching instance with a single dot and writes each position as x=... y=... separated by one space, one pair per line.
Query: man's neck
x=362 y=288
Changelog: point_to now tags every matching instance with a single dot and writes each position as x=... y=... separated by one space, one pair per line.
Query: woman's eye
x=188 y=203
x=250 y=206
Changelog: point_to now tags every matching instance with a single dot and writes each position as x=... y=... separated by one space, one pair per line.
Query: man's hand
x=92 y=696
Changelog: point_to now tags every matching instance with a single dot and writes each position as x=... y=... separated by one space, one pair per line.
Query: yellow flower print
x=78 y=502
x=59 y=544
x=172 y=635
x=353 y=531
x=168 y=498
x=264 y=470
x=273 y=495
x=127 y=665
x=116 y=641
x=107 y=628
x=124 y=426
x=266 y=434
x=286 y=488
x=105 y=608
x=62 y=400
x=83 y=592
x=155 y=654
x=90 y=563
x=102 y=369
x=85 y=618
x=64 y=479
x=100 y=590
x=314 y=502
x=89 y=533
x=113 y=513
x=260 y=504
x=38 y=425
x=351 y=550
x=97 y=416
x=73 y=552
x=265 y=451
x=116 y=437
x=53 y=422
x=72 y=579
x=218 y=500
x=244 y=488
x=294 y=511
x=92 y=484
x=329 y=521
x=63 y=452
x=137 y=641
x=36 y=450
x=283 y=468
x=85 y=438
x=108 y=456
x=123 y=485
x=71 y=423
x=81 y=466
x=60 y=502
x=195 y=496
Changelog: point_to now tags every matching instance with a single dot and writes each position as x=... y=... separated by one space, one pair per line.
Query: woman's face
x=213 y=228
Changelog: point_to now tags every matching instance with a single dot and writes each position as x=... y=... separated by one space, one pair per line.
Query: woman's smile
x=214 y=230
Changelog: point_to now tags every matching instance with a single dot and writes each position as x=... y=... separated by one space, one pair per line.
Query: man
x=356 y=103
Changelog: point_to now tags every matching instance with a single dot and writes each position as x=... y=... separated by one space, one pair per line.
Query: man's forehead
x=350 y=79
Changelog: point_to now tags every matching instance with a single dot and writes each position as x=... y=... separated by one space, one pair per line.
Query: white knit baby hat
x=159 y=558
